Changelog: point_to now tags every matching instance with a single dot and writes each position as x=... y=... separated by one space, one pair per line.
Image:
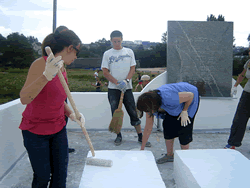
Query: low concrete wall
x=11 y=142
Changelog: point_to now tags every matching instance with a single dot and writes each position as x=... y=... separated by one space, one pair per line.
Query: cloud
x=5 y=31
x=17 y=5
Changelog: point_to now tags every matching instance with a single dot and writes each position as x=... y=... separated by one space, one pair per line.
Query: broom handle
x=66 y=89
x=121 y=100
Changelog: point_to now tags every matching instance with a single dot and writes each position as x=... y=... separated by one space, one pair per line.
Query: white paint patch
x=131 y=169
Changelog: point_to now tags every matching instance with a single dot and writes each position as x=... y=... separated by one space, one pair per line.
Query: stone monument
x=201 y=53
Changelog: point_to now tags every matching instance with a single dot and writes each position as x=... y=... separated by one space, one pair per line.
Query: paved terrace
x=21 y=174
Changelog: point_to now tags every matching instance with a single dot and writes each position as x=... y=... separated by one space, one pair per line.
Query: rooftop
x=20 y=176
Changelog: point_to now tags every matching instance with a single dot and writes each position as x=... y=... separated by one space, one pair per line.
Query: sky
x=93 y=20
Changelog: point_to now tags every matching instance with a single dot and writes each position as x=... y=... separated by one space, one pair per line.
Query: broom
x=91 y=160
x=117 y=119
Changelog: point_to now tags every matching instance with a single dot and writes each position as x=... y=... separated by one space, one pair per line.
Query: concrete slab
x=130 y=169
x=211 y=168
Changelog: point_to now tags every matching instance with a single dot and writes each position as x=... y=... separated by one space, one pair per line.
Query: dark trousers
x=48 y=156
x=128 y=101
x=240 y=120
x=66 y=117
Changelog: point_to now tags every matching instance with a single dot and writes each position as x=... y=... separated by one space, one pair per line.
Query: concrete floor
x=21 y=175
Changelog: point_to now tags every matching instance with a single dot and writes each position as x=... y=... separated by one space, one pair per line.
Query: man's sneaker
x=118 y=140
x=165 y=158
x=229 y=147
x=148 y=144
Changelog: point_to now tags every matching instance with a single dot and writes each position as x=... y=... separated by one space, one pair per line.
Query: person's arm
x=131 y=72
x=34 y=83
x=240 y=78
x=109 y=76
x=136 y=79
x=147 y=130
x=67 y=110
x=186 y=97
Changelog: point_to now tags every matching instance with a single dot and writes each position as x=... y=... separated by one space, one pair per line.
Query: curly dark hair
x=149 y=102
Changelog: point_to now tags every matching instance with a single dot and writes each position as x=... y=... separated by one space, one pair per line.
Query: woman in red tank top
x=43 y=122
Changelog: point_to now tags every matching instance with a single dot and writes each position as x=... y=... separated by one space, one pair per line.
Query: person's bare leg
x=136 y=87
x=185 y=146
x=170 y=146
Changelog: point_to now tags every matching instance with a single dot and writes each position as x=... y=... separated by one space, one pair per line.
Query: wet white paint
x=131 y=169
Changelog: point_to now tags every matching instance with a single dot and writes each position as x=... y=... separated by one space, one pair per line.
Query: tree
x=19 y=52
x=32 y=39
x=164 y=37
x=221 y=18
x=2 y=49
x=213 y=18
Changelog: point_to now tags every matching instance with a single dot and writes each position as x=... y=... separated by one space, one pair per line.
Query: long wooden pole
x=67 y=91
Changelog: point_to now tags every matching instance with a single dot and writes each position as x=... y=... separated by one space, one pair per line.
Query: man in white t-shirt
x=96 y=74
x=118 y=66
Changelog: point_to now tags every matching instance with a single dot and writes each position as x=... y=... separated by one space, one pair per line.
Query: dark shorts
x=172 y=128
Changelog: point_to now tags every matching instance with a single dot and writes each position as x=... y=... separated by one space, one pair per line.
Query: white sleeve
x=105 y=63
x=245 y=66
x=133 y=62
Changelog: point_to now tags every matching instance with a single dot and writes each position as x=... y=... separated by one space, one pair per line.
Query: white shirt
x=96 y=74
x=118 y=62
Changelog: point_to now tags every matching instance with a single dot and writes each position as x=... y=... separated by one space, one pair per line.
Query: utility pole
x=54 y=14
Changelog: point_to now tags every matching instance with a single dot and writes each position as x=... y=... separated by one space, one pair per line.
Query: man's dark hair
x=116 y=33
x=149 y=102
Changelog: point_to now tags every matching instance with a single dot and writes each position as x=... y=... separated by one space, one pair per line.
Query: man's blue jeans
x=128 y=101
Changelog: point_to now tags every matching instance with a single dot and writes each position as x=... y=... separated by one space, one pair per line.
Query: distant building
x=86 y=63
x=145 y=43
x=138 y=42
x=127 y=42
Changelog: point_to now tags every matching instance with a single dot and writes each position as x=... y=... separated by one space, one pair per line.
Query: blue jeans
x=240 y=120
x=48 y=156
x=128 y=101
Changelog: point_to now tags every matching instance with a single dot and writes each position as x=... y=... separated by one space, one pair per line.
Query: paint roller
x=90 y=160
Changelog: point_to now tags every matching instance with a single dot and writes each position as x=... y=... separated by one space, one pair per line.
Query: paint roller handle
x=87 y=137
x=66 y=88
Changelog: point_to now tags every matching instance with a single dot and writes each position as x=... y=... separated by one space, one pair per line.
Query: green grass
x=12 y=81
x=244 y=81
x=79 y=80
